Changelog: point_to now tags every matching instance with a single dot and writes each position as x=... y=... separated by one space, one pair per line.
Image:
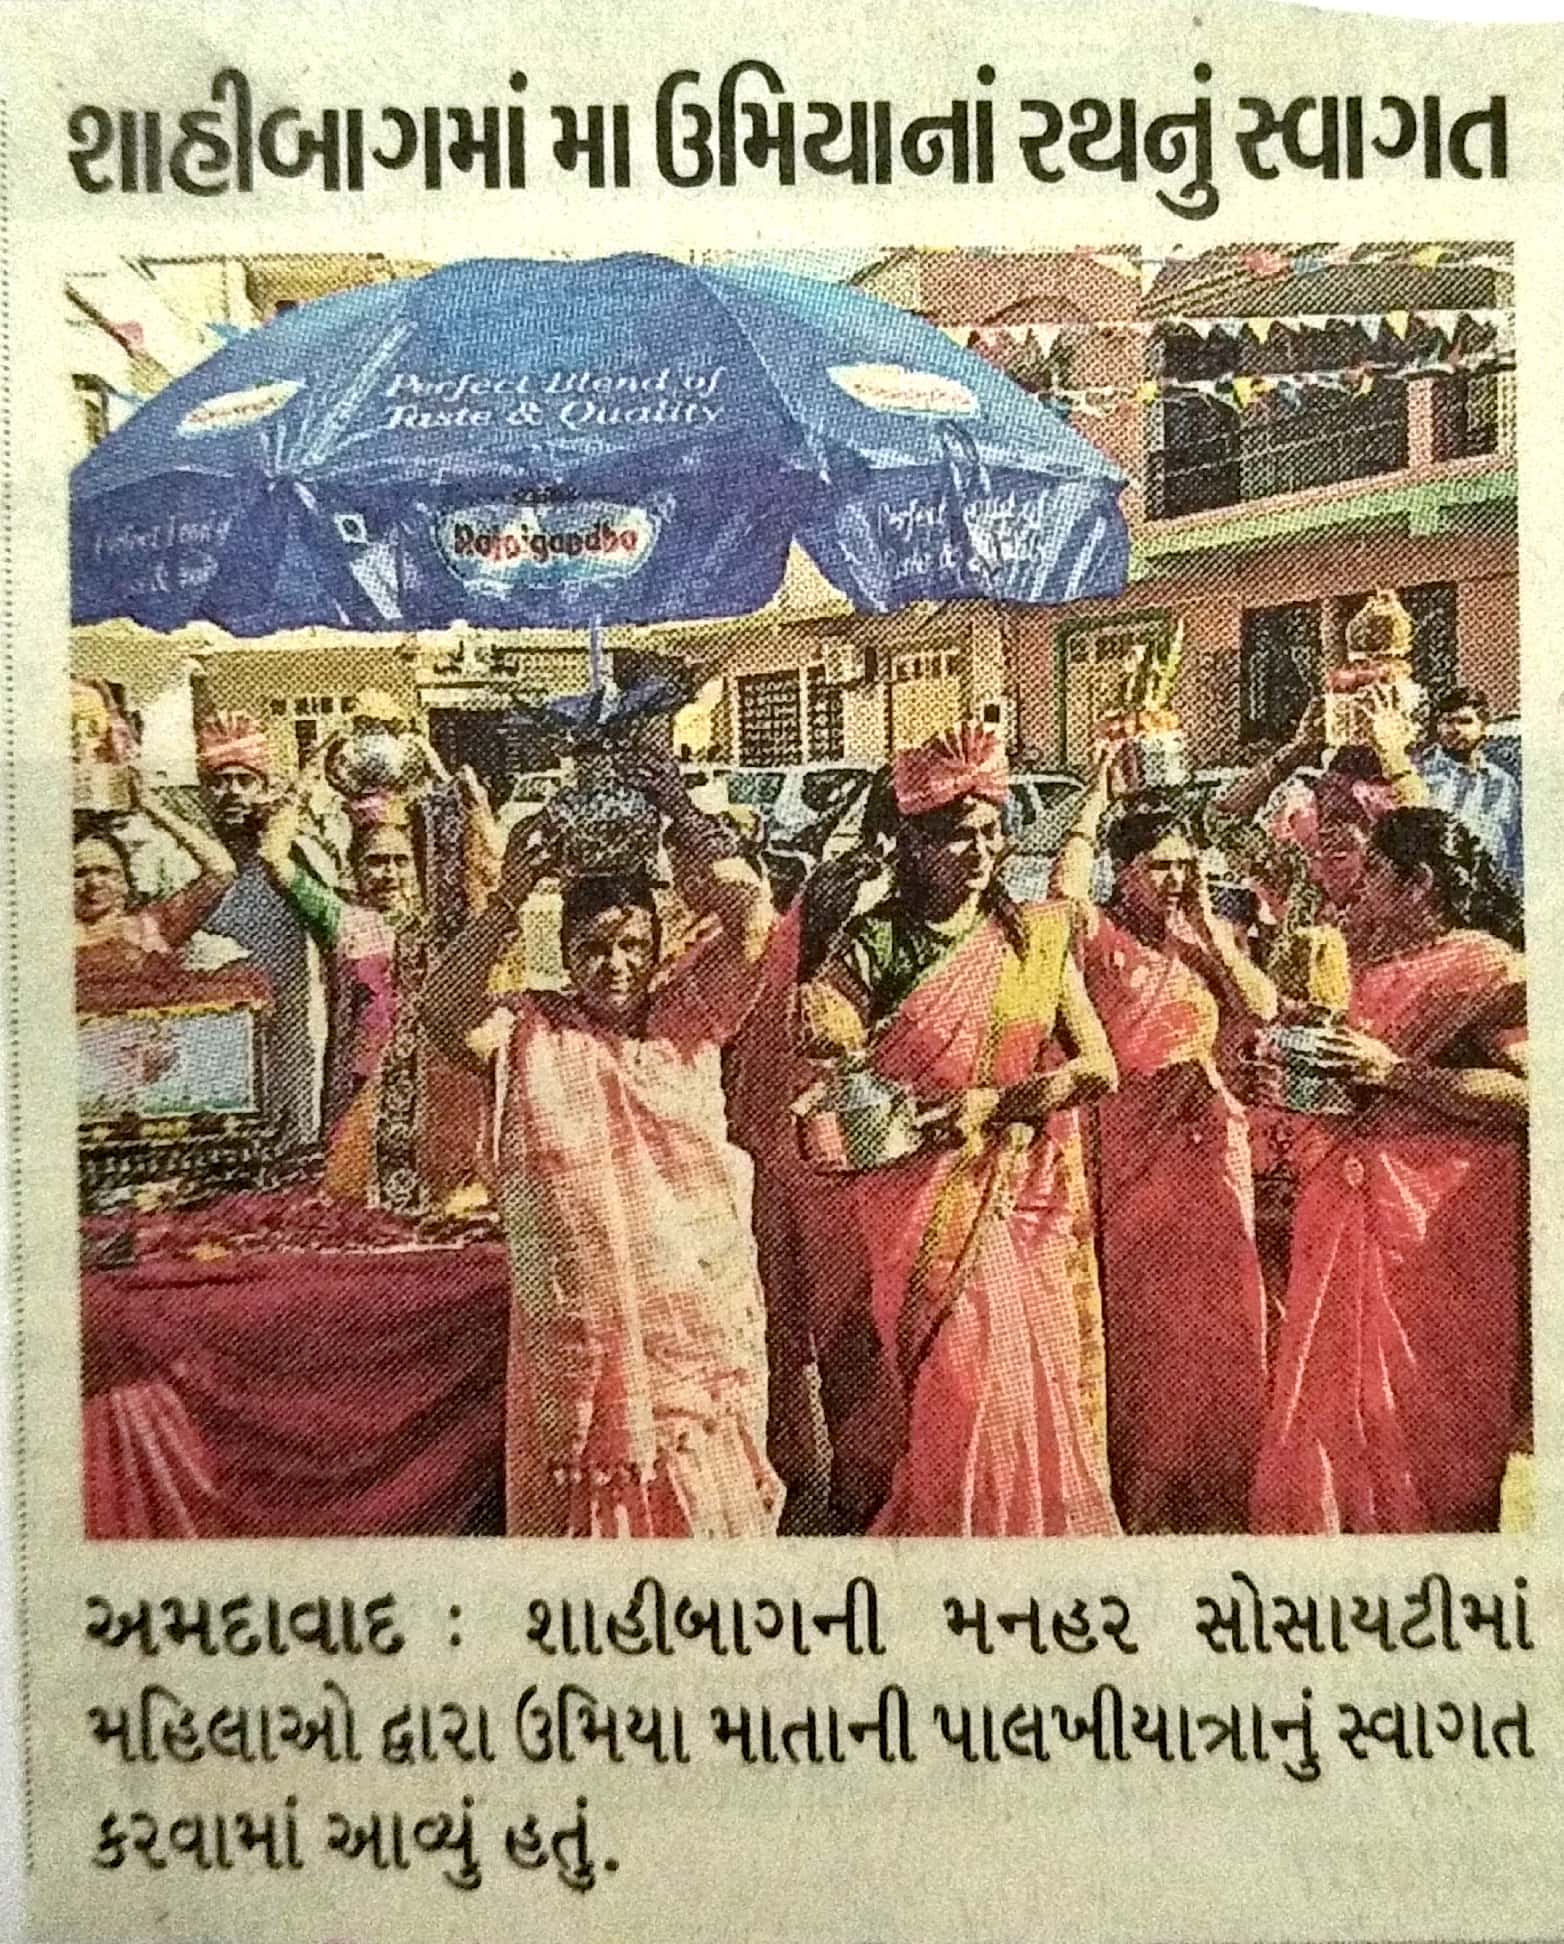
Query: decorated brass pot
x=604 y=825
x=854 y=1120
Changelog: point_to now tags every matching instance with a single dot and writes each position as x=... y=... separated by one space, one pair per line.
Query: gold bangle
x=1077 y=837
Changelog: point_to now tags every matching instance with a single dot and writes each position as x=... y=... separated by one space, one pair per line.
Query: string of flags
x=1145 y=268
x=1243 y=392
x=1449 y=324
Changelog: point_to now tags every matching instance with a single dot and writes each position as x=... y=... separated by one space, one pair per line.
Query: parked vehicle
x=816 y=807
x=528 y=794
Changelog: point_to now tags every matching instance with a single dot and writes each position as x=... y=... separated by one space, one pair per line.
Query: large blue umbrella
x=530 y=444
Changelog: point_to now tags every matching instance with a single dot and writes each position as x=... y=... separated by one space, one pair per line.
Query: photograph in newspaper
x=812 y=893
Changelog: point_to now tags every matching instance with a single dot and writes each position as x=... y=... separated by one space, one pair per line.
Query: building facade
x=1297 y=431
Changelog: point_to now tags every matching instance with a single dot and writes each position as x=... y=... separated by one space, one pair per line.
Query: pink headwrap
x=965 y=762
x=379 y=809
x=1333 y=800
x=230 y=740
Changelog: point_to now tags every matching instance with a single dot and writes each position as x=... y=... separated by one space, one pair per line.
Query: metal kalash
x=605 y=824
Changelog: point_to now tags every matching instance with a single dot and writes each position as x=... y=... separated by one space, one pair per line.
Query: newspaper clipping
x=778 y=779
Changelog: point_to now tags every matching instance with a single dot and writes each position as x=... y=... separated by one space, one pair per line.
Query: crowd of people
x=1065 y=1311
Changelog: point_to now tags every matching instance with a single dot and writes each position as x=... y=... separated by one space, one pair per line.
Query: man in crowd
x=233 y=762
x=1464 y=780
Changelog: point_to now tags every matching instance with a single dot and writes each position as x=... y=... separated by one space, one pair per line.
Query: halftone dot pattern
x=1175 y=1280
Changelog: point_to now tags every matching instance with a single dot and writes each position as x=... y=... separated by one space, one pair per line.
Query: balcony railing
x=1201 y=456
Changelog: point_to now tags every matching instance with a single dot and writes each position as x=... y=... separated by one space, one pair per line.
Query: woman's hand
x=656 y=774
x=1106 y=751
x=1359 y=1057
x=1307 y=742
x=473 y=794
x=963 y=1120
x=1197 y=910
x=531 y=854
x=1391 y=731
x=311 y=772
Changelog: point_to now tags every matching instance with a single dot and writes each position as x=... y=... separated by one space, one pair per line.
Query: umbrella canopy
x=530 y=444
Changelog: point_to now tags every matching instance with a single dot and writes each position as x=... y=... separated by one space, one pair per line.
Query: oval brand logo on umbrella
x=893 y=388
x=500 y=545
x=229 y=410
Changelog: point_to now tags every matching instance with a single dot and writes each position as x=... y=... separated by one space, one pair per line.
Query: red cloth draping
x=295 y=1393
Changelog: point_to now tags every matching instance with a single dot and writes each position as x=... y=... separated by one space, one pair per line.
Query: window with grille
x=1474 y=413
x=927 y=664
x=827 y=730
x=770 y=720
x=1278 y=669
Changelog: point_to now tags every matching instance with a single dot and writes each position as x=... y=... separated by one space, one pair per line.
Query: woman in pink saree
x=637 y=1388
x=1182 y=1291
x=973 y=1240
x=1401 y=1349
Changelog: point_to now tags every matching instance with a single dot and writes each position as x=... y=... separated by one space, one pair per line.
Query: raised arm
x=485 y=841
x=1213 y=948
x=1249 y=794
x=287 y=816
x=712 y=875
x=209 y=855
x=1391 y=735
x=1071 y=876
x=456 y=997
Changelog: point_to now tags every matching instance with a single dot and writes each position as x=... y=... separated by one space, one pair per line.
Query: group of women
x=1052 y=1317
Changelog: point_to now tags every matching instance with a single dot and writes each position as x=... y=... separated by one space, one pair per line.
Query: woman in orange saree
x=636 y=1400
x=1183 y=1298
x=973 y=1240
x=1401 y=1349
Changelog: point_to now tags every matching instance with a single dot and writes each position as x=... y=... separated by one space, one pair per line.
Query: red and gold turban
x=230 y=740
x=965 y=762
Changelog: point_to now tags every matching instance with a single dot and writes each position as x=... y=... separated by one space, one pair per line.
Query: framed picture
x=168 y=1064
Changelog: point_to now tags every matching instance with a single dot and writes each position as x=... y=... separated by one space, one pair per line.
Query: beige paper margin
x=1450 y=1848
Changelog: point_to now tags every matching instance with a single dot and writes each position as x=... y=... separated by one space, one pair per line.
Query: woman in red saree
x=1183 y=1296
x=973 y=1240
x=1401 y=1347
x=636 y=1404
x=835 y=1409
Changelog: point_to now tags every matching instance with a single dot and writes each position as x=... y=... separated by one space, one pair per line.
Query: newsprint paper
x=777 y=782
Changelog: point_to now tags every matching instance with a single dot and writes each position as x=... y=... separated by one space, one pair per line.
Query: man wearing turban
x=233 y=763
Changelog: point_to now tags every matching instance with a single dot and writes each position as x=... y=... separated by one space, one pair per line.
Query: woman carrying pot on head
x=964 y=998
x=637 y=1388
x=127 y=949
x=1324 y=803
x=1400 y=1352
x=1182 y=1292
x=404 y=1131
